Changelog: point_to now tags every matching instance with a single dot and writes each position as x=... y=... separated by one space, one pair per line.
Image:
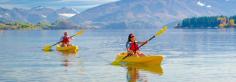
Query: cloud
x=203 y=4
x=208 y=6
x=200 y=3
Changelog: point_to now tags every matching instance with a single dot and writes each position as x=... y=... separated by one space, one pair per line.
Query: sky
x=55 y=4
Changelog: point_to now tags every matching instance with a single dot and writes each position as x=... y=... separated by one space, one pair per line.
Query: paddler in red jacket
x=65 y=40
x=132 y=46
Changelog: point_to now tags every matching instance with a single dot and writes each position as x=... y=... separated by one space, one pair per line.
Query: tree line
x=208 y=22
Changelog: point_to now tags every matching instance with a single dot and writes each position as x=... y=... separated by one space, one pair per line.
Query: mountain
x=41 y=10
x=67 y=12
x=9 y=15
x=151 y=13
x=123 y=13
x=36 y=14
x=64 y=25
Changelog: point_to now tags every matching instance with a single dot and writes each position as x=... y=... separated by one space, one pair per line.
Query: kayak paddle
x=48 y=47
x=159 y=33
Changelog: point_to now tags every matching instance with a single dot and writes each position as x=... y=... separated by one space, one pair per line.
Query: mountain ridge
x=150 y=13
x=36 y=14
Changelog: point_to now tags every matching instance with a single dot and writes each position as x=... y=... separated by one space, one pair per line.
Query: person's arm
x=144 y=42
x=130 y=52
x=61 y=39
x=70 y=39
x=127 y=45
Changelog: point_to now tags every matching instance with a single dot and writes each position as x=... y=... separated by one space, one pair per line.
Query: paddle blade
x=162 y=31
x=80 y=32
x=47 y=48
x=115 y=63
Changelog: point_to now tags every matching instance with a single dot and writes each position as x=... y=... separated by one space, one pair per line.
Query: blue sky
x=78 y=4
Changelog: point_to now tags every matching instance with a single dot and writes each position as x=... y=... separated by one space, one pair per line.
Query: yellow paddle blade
x=47 y=48
x=115 y=63
x=162 y=31
x=80 y=32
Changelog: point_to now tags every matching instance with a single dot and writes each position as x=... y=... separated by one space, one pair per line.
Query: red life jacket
x=134 y=46
x=66 y=39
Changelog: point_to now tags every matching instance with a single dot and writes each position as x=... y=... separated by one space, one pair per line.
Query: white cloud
x=208 y=6
x=203 y=4
x=200 y=3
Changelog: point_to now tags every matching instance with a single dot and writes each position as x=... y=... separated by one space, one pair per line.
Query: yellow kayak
x=154 y=59
x=69 y=48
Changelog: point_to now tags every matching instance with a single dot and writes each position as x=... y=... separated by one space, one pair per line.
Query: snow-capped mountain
x=36 y=14
x=67 y=12
x=125 y=13
x=152 y=13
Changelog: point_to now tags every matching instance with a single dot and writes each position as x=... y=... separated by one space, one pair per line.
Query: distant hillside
x=151 y=13
x=36 y=14
x=122 y=14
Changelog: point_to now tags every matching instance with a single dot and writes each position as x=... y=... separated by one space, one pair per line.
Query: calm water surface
x=190 y=56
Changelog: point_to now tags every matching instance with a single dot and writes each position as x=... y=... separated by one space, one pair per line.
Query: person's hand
x=130 y=52
x=145 y=42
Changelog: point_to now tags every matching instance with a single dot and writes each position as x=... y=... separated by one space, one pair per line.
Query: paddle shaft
x=147 y=41
x=73 y=35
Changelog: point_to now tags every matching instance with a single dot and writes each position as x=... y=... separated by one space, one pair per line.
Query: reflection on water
x=134 y=75
x=68 y=57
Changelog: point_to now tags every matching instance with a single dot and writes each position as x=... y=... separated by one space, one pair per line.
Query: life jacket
x=65 y=39
x=134 y=46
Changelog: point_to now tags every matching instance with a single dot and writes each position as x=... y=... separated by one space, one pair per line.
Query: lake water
x=191 y=55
